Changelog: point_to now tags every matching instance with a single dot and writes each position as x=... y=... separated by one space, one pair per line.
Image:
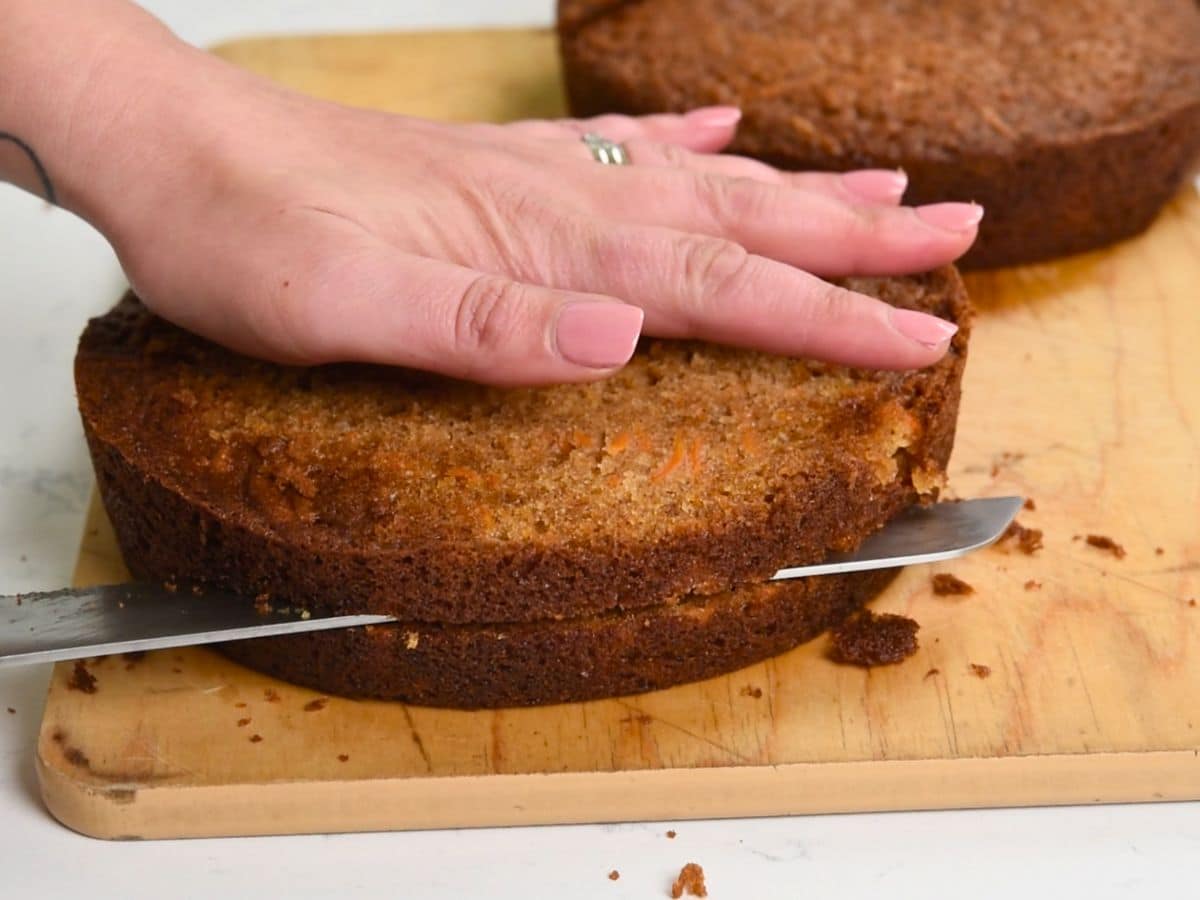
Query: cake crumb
x=242 y=723
x=870 y=639
x=614 y=875
x=1029 y=504
x=934 y=671
x=81 y=679
x=11 y=711
x=1029 y=540
x=1004 y=460
x=671 y=834
x=177 y=670
x=691 y=881
x=1033 y=585
x=76 y=757
x=411 y=640
x=255 y=738
x=170 y=587
x=271 y=695
x=1104 y=542
x=947 y=585
x=239 y=705
x=1159 y=551
x=343 y=757
x=1192 y=602
x=752 y=691
x=316 y=705
x=980 y=671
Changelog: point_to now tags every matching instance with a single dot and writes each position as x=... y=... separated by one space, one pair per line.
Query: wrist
x=105 y=103
x=50 y=53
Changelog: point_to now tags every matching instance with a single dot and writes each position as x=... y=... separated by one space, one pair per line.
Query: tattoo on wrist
x=42 y=174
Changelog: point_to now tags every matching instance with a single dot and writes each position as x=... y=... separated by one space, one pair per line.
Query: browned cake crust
x=1072 y=123
x=346 y=488
x=473 y=666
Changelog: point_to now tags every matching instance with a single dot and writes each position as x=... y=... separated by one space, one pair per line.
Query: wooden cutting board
x=1083 y=392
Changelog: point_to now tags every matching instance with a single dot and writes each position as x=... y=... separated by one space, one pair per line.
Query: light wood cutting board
x=1083 y=392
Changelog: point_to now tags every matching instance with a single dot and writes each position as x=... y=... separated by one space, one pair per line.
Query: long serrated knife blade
x=123 y=618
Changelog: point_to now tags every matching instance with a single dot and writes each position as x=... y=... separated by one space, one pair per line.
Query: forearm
x=96 y=96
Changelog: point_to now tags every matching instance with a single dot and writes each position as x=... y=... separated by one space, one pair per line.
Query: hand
x=307 y=232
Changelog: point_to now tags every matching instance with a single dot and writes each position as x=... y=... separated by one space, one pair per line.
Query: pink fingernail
x=598 y=335
x=926 y=330
x=879 y=185
x=715 y=116
x=951 y=216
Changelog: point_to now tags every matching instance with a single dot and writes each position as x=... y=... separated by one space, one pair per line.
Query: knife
x=123 y=618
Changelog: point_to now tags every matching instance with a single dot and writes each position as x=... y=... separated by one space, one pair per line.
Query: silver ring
x=606 y=152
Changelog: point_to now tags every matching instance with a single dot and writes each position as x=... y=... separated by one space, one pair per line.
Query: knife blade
x=121 y=618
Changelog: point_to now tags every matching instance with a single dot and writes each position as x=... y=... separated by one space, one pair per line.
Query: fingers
x=374 y=304
x=692 y=286
x=692 y=141
x=814 y=231
x=870 y=186
x=704 y=130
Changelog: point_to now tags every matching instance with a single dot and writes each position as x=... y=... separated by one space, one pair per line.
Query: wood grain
x=1081 y=392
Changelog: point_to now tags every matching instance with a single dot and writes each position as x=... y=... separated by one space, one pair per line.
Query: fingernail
x=715 y=116
x=598 y=335
x=880 y=185
x=926 y=330
x=951 y=216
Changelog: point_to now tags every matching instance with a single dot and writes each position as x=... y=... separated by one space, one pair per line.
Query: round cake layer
x=1071 y=123
x=694 y=470
x=475 y=666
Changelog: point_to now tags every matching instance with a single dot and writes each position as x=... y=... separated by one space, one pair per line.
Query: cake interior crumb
x=614 y=875
x=81 y=679
x=875 y=639
x=980 y=671
x=1029 y=540
x=691 y=881
x=947 y=585
x=1104 y=542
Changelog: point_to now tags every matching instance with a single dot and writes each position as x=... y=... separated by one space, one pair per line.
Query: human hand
x=307 y=232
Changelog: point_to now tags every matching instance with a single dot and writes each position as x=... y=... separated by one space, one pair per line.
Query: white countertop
x=55 y=273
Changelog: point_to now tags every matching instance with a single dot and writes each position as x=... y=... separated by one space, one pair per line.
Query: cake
x=1071 y=123
x=535 y=545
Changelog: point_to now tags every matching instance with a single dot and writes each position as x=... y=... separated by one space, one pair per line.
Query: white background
x=54 y=272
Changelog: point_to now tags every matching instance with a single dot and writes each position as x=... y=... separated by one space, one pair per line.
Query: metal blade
x=123 y=618
x=921 y=535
